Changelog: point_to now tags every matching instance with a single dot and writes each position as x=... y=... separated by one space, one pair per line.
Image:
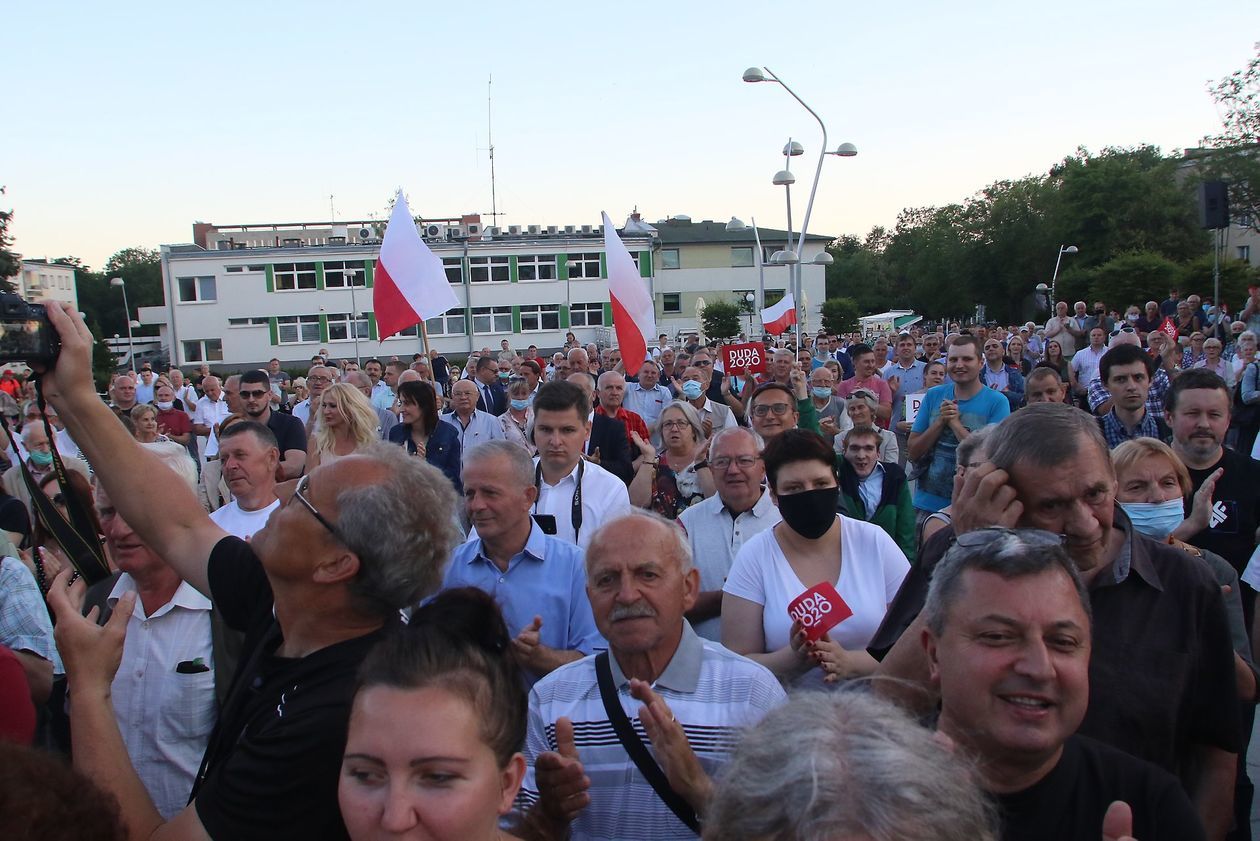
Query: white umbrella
x=700 y=316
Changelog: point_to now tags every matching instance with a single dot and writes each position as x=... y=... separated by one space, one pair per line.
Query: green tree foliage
x=840 y=315
x=721 y=320
x=1236 y=155
x=102 y=304
x=10 y=263
x=1132 y=278
x=1236 y=276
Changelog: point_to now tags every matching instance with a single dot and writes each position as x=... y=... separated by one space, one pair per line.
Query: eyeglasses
x=763 y=409
x=701 y=363
x=742 y=462
x=254 y=394
x=675 y=424
x=299 y=493
x=981 y=538
x=316 y=378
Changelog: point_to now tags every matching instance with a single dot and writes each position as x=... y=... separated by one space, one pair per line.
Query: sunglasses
x=254 y=395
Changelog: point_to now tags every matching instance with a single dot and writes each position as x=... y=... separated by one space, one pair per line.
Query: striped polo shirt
x=714 y=693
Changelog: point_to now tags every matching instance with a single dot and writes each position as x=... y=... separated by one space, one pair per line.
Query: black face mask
x=810 y=513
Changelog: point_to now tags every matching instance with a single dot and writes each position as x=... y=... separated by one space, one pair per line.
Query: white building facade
x=242 y=295
x=41 y=281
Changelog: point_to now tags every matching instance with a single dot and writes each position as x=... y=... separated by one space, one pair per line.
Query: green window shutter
x=603 y=265
x=271 y=287
x=514 y=271
x=645 y=264
x=372 y=327
x=608 y=321
x=562 y=266
x=272 y=325
x=369 y=268
x=319 y=276
x=516 y=318
x=323 y=327
x=564 y=316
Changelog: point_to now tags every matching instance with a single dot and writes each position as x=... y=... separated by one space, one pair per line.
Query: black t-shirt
x=13 y=516
x=1235 y=508
x=1069 y=803
x=274 y=759
x=289 y=431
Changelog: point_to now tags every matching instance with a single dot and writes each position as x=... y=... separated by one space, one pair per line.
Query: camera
x=25 y=333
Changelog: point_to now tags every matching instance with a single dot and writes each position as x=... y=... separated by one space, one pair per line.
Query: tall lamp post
x=1054 y=279
x=131 y=341
x=348 y=274
x=844 y=150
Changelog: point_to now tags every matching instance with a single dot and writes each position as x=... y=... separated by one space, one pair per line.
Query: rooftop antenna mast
x=494 y=204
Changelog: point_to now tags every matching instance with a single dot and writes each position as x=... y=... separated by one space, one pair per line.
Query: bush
x=840 y=315
x=721 y=320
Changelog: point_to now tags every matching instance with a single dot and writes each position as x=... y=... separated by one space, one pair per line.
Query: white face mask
x=165 y=405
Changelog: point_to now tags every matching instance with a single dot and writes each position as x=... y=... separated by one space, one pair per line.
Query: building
x=242 y=294
x=1239 y=241
x=41 y=281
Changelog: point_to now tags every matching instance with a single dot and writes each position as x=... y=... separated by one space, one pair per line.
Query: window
x=194 y=290
x=296 y=329
x=741 y=256
x=492 y=320
x=586 y=315
x=449 y=323
x=255 y=268
x=454 y=267
x=583 y=266
x=234 y=269
x=337 y=273
x=671 y=302
x=248 y=322
x=767 y=251
x=339 y=329
x=537 y=267
x=291 y=276
x=773 y=296
x=1244 y=252
x=203 y=350
x=669 y=258
x=489 y=269
x=535 y=319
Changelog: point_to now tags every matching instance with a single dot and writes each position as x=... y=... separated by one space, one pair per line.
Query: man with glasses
x=720 y=525
x=775 y=408
x=289 y=432
x=318 y=378
x=313 y=591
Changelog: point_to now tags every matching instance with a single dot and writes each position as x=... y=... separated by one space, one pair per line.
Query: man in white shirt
x=248 y=454
x=210 y=411
x=473 y=425
x=382 y=396
x=719 y=526
x=1085 y=362
x=578 y=493
x=1062 y=329
x=184 y=392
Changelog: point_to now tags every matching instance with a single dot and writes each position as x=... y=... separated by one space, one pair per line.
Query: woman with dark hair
x=423 y=433
x=813 y=545
x=1054 y=358
x=433 y=748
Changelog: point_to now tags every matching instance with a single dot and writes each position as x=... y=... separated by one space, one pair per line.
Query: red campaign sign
x=1168 y=327
x=819 y=609
x=750 y=355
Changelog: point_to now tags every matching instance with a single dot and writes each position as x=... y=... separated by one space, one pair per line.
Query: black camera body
x=25 y=332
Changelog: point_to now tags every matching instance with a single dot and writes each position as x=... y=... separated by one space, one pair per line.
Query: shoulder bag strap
x=634 y=746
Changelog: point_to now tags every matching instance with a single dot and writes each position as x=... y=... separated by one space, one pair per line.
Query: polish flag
x=1168 y=327
x=410 y=284
x=634 y=317
x=779 y=317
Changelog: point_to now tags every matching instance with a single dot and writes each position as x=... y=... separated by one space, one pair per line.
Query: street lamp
x=844 y=150
x=348 y=274
x=1054 y=279
x=131 y=341
x=750 y=298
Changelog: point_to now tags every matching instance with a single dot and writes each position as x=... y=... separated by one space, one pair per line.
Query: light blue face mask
x=520 y=405
x=40 y=459
x=1155 y=519
x=692 y=389
x=821 y=391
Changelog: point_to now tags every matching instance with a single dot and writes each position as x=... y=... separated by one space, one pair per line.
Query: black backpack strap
x=634 y=746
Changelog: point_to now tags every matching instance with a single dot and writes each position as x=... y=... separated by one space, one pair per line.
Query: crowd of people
x=974 y=582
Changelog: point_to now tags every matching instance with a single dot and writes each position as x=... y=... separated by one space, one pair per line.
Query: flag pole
x=424 y=340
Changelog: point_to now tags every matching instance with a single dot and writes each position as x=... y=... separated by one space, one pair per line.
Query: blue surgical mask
x=40 y=459
x=692 y=389
x=821 y=391
x=520 y=405
x=1155 y=519
x=505 y=375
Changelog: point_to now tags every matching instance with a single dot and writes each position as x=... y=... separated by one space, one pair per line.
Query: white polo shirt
x=604 y=497
x=211 y=413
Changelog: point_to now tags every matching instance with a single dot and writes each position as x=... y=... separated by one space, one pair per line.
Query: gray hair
x=1011 y=553
x=973 y=444
x=690 y=413
x=520 y=466
x=175 y=456
x=846 y=764
x=1044 y=434
x=674 y=535
x=403 y=562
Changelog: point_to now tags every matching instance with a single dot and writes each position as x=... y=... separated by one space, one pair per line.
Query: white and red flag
x=1169 y=327
x=779 y=317
x=634 y=317
x=409 y=285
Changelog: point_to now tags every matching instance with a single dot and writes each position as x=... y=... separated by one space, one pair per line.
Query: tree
x=840 y=315
x=10 y=263
x=1236 y=275
x=1133 y=278
x=141 y=269
x=721 y=320
x=1236 y=155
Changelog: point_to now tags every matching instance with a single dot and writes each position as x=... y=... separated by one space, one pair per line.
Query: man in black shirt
x=1008 y=641
x=289 y=432
x=312 y=591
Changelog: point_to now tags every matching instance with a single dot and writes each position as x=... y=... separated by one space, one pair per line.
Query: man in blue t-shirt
x=950 y=412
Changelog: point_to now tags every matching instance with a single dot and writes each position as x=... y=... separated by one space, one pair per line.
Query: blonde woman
x=345 y=421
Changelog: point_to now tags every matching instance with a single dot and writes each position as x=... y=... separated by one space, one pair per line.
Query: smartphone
x=546 y=522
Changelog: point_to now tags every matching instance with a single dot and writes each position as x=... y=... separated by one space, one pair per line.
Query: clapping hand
x=562 y=781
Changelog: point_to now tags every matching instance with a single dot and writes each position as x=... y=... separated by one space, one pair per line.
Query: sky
x=128 y=122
